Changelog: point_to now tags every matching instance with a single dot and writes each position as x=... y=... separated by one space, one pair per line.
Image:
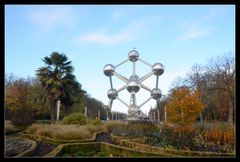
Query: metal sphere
x=133 y=84
x=158 y=69
x=112 y=94
x=109 y=69
x=134 y=77
x=133 y=55
x=156 y=93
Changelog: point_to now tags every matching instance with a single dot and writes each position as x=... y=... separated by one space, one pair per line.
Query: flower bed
x=18 y=147
x=129 y=143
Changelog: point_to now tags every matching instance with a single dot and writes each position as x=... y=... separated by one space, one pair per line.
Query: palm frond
x=47 y=60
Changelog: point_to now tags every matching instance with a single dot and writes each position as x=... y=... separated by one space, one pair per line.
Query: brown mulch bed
x=43 y=149
x=104 y=137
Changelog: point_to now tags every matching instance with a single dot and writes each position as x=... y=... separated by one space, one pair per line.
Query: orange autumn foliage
x=219 y=136
x=184 y=106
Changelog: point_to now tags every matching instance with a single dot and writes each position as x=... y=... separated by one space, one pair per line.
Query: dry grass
x=220 y=134
x=64 y=132
x=9 y=127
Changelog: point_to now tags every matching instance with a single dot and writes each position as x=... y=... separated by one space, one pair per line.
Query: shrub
x=75 y=118
x=22 y=116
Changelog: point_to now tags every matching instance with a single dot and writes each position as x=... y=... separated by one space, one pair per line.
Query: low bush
x=75 y=118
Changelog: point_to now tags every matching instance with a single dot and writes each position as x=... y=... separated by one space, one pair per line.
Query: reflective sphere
x=133 y=55
x=133 y=84
x=112 y=94
x=109 y=69
x=134 y=77
x=158 y=69
x=156 y=93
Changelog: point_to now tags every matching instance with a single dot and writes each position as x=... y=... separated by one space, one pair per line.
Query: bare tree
x=195 y=80
x=223 y=80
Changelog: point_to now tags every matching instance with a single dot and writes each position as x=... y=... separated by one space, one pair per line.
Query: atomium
x=133 y=84
x=133 y=55
x=158 y=69
x=109 y=69
x=112 y=94
x=156 y=93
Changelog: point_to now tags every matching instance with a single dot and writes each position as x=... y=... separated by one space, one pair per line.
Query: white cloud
x=198 y=27
x=47 y=19
x=193 y=33
x=121 y=13
x=131 y=32
x=103 y=38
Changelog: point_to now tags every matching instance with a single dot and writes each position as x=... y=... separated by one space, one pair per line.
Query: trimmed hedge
x=100 y=147
x=75 y=118
x=55 y=142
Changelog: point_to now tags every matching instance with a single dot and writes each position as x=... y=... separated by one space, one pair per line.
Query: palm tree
x=52 y=77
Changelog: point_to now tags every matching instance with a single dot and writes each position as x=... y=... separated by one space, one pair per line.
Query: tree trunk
x=201 y=118
x=213 y=114
x=200 y=114
x=230 y=112
x=53 y=110
x=165 y=115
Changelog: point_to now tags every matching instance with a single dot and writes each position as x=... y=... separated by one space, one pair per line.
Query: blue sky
x=92 y=36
